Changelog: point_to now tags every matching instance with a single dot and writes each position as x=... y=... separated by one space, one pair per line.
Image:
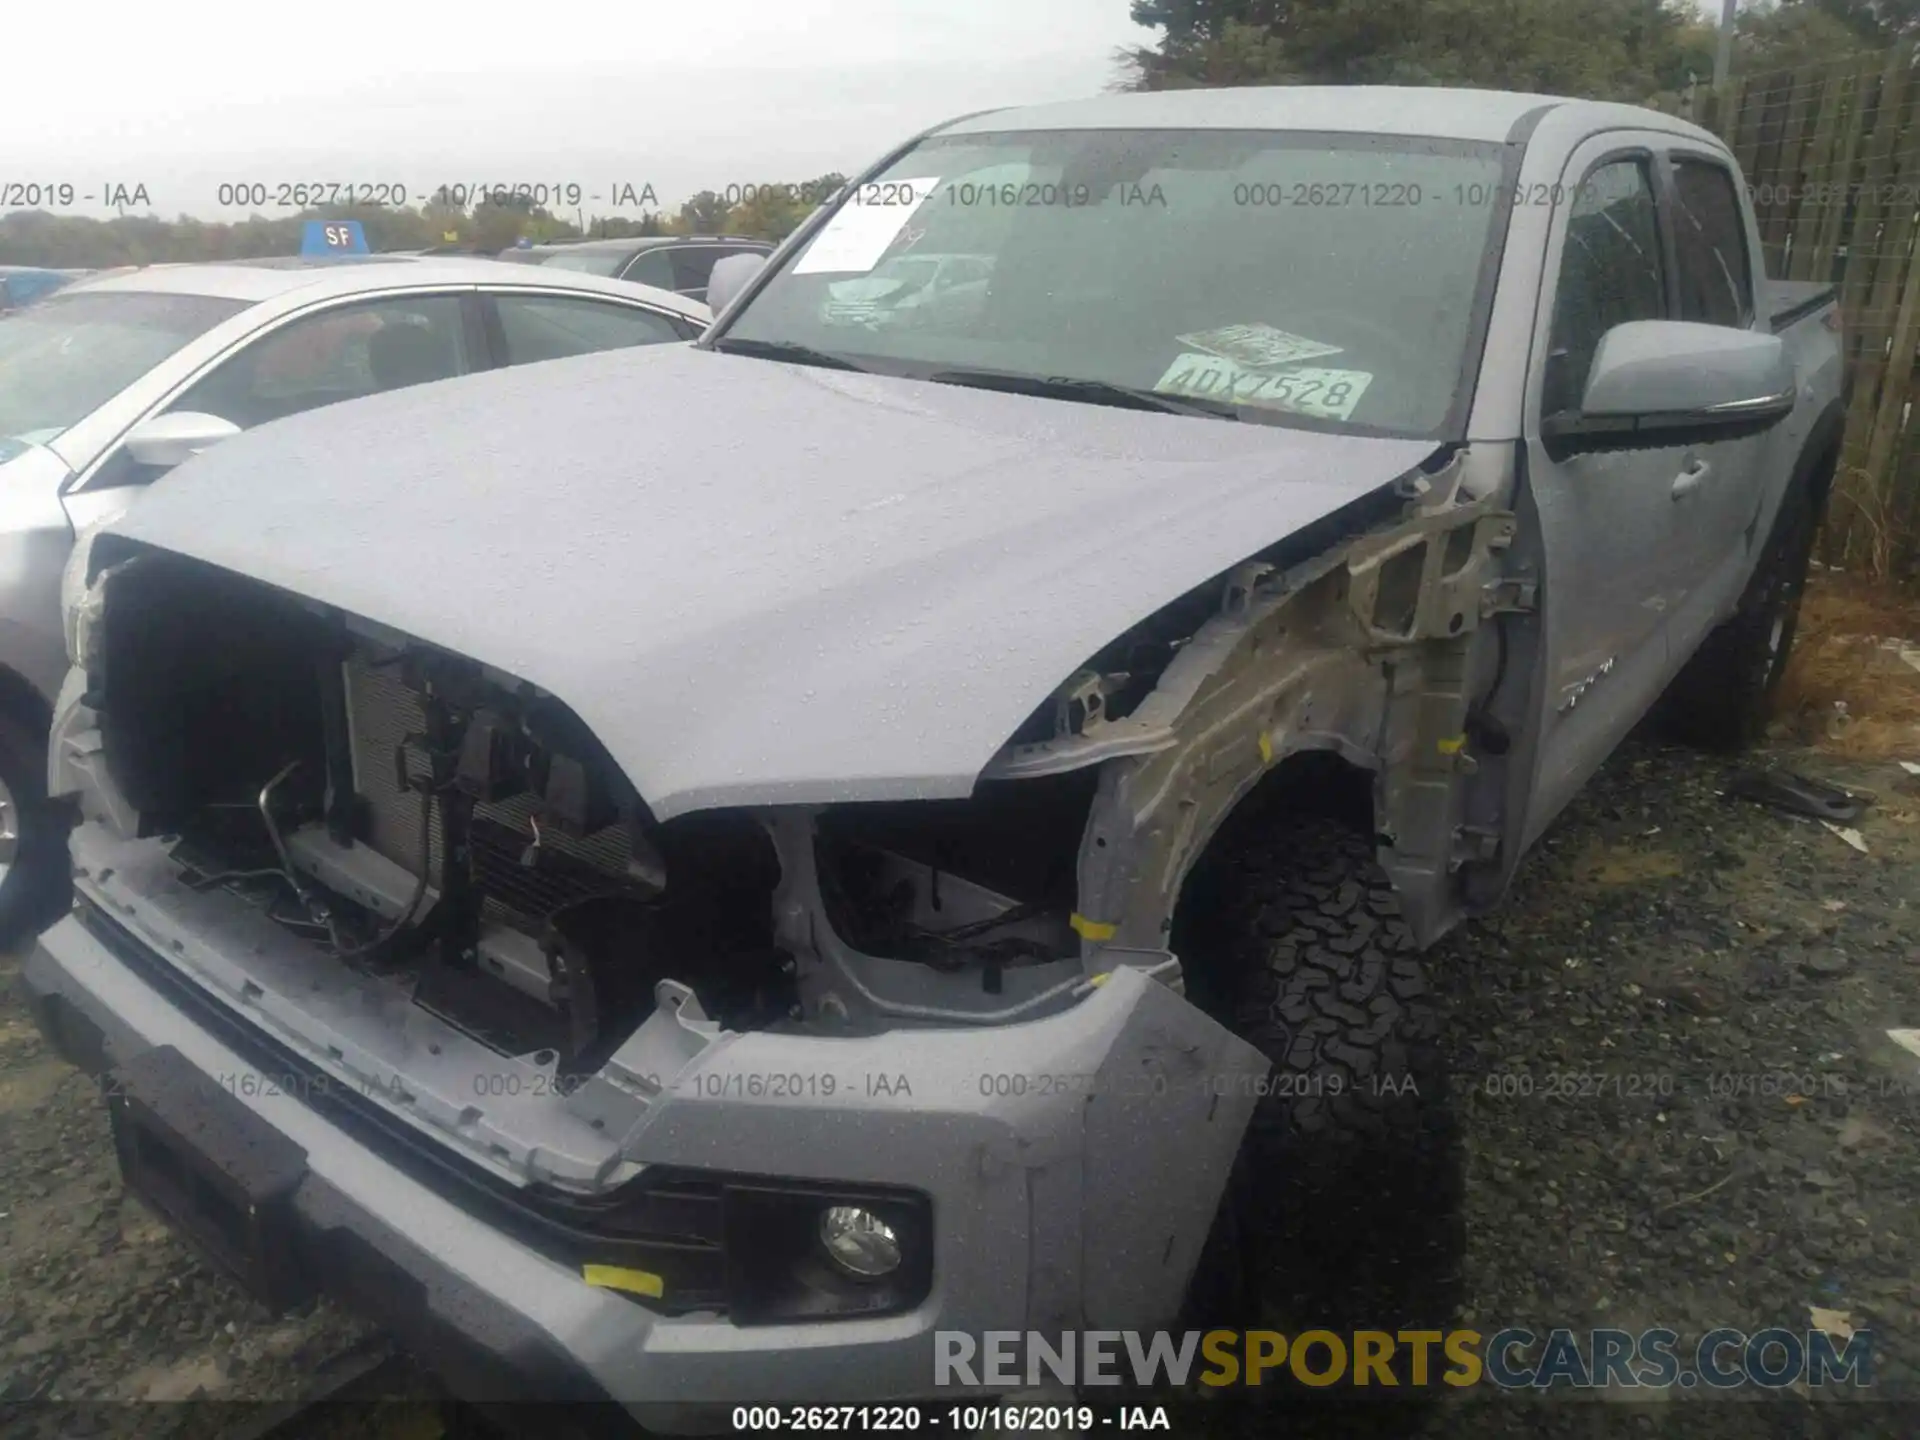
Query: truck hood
x=757 y=582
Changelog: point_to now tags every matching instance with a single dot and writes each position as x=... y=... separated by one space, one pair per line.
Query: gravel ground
x=1663 y=936
x=1746 y=1147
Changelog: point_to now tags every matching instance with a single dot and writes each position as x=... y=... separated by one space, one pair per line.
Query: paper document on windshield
x=1261 y=346
x=862 y=229
x=1308 y=390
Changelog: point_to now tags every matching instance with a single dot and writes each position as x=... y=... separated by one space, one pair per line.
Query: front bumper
x=1053 y=1205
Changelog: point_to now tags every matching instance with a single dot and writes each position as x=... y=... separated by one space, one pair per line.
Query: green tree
x=704 y=214
x=1610 y=49
x=1872 y=22
x=1775 y=34
x=821 y=188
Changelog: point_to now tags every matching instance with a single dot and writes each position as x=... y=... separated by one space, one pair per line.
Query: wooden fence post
x=1832 y=153
x=1848 y=155
x=1818 y=197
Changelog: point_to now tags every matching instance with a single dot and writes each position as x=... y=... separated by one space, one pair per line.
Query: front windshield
x=590 y=262
x=66 y=356
x=1300 y=279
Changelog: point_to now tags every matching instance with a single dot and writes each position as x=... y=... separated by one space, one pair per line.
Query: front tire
x=1723 y=695
x=1344 y=1208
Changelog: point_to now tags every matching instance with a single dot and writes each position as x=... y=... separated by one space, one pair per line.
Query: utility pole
x=1723 y=52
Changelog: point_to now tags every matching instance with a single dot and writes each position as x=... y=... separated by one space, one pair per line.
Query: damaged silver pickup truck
x=678 y=875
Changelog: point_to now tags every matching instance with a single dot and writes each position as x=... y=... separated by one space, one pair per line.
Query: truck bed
x=1795 y=299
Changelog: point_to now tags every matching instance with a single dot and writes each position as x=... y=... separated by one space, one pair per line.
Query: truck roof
x=1345 y=109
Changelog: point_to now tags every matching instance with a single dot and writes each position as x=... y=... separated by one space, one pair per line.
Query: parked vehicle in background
x=932 y=284
x=670 y=262
x=742 y=857
x=450 y=248
x=108 y=383
x=21 y=285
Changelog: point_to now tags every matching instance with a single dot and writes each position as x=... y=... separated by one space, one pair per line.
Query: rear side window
x=546 y=327
x=1716 y=283
x=1610 y=273
x=651 y=267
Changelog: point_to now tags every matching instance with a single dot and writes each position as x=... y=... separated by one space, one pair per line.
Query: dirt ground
x=1745 y=964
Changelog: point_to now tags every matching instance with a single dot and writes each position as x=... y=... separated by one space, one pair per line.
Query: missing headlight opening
x=975 y=885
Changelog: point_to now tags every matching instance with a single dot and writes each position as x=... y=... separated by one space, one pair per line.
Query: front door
x=1611 y=521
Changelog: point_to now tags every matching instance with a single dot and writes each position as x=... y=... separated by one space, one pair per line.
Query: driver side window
x=344 y=353
x=1610 y=273
x=339 y=354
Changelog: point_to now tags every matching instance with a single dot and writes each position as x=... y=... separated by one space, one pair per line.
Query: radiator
x=381 y=712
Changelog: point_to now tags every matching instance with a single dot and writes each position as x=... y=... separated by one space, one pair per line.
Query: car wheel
x=1723 y=695
x=34 y=879
x=1343 y=1209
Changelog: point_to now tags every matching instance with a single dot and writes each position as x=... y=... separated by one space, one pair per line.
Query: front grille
x=381 y=713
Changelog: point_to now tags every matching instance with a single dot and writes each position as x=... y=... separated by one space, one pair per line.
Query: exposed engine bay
x=417 y=815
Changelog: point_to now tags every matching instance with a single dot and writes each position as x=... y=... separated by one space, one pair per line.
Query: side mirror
x=163 y=441
x=730 y=276
x=1666 y=382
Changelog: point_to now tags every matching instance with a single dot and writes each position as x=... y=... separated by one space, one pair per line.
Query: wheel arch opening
x=1315 y=783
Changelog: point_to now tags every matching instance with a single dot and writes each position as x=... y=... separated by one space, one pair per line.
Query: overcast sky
x=182 y=96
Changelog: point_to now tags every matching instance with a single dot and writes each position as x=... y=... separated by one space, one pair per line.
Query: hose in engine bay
x=317 y=907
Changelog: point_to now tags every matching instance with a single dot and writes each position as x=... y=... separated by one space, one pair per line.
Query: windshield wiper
x=1094 y=392
x=786 y=350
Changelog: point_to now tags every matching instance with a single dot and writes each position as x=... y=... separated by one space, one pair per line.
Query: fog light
x=859 y=1241
x=805 y=1251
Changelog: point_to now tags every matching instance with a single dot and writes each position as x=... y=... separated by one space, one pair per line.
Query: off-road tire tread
x=1319 y=970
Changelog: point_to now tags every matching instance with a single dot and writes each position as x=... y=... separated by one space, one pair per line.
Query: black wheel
x=1343 y=1211
x=1723 y=695
x=34 y=889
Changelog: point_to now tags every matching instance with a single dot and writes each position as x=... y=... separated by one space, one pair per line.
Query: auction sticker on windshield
x=1309 y=390
x=1261 y=346
x=862 y=228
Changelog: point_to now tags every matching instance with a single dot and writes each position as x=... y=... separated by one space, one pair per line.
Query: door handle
x=1688 y=480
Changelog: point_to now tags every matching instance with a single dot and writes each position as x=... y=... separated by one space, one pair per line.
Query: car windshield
x=1293 y=278
x=591 y=262
x=64 y=357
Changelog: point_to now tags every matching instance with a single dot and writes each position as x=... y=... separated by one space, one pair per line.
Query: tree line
x=42 y=237
x=1646 y=52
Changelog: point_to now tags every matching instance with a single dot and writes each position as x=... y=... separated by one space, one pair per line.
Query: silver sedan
x=108 y=383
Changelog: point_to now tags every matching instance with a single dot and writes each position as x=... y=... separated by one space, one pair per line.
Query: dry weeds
x=1848 y=653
